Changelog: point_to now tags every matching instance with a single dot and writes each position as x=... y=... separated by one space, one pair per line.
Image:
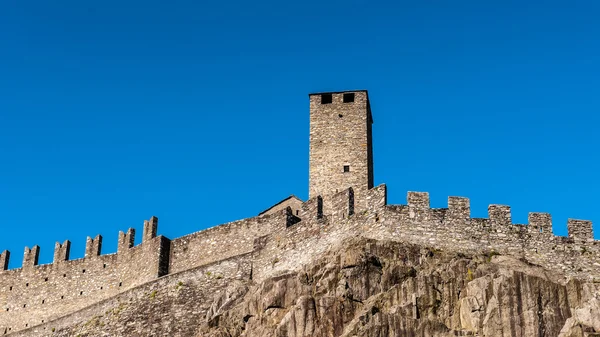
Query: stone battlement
x=453 y=228
x=36 y=294
x=500 y=215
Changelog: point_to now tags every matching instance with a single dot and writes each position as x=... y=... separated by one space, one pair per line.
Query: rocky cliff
x=367 y=288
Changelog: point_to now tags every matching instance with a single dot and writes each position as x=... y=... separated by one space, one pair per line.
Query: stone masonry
x=40 y=299
x=341 y=151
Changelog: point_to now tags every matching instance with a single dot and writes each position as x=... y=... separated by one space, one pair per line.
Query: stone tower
x=341 y=151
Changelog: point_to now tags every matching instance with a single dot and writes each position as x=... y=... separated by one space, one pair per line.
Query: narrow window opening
x=24 y=305
x=62 y=297
x=83 y=271
x=340 y=115
x=346 y=168
x=43 y=301
x=326 y=99
x=80 y=293
x=64 y=275
x=297 y=212
x=7 y=309
x=46 y=279
x=349 y=97
x=120 y=284
x=26 y=324
x=104 y=266
x=27 y=284
x=101 y=288
x=10 y=289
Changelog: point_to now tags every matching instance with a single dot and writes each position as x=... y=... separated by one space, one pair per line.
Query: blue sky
x=197 y=112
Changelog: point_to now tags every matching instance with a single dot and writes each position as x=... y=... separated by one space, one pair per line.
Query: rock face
x=373 y=289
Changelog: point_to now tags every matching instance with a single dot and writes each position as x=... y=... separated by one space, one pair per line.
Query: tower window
x=349 y=97
x=346 y=168
x=326 y=99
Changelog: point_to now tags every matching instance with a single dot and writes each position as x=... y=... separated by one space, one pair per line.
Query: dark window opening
x=297 y=212
x=43 y=301
x=83 y=271
x=104 y=265
x=24 y=305
x=346 y=168
x=326 y=99
x=340 y=115
x=62 y=297
x=7 y=309
x=27 y=284
x=81 y=293
x=10 y=289
x=120 y=284
x=64 y=275
x=349 y=98
x=46 y=279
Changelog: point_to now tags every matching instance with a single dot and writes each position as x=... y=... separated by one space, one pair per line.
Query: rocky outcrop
x=372 y=289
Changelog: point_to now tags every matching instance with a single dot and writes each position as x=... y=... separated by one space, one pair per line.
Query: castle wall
x=221 y=241
x=35 y=294
x=452 y=228
x=290 y=247
x=173 y=305
x=266 y=245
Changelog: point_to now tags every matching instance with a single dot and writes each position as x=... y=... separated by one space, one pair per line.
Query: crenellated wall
x=272 y=243
x=453 y=228
x=34 y=294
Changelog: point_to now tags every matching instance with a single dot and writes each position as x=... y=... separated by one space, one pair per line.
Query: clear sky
x=197 y=111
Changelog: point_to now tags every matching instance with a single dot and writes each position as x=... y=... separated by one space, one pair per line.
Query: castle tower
x=341 y=151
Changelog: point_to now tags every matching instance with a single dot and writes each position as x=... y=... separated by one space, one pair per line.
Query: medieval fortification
x=343 y=203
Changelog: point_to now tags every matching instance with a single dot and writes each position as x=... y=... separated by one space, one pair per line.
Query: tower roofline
x=337 y=92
